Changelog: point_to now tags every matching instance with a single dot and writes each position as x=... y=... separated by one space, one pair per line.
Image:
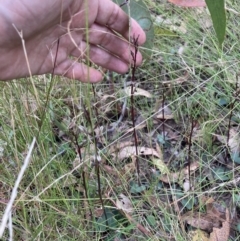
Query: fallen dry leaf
x=98 y=212
x=159 y=151
x=204 y=200
x=105 y=103
x=129 y=168
x=188 y=3
x=165 y=117
x=179 y=176
x=132 y=220
x=186 y=185
x=234 y=140
x=202 y=221
x=221 y=234
x=138 y=92
x=193 y=167
x=171 y=177
x=163 y=112
x=110 y=170
x=159 y=163
x=124 y=203
x=129 y=151
x=216 y=210
x=119 y=145
x=198 y=235
x=161 y=166
x=177 y=81
x=87 y=156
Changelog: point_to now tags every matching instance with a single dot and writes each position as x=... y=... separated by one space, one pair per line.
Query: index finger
x=111 y=15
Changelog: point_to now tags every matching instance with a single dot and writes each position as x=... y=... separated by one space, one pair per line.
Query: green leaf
x=236 y=199
x=161 y=139
x=236 y=157
x=238 y=227
x=188 y=202
x=221 y=174
x=166 y=223
x=223 y=101
x=159 y=186
x=151 y=220
x=103 y=225
x=164 y=32
x=135 y=188
x=140 y=12
x=218 y=14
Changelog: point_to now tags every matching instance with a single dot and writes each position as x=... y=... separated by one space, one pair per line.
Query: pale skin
x=40 y=23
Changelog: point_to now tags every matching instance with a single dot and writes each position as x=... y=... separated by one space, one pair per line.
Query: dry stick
x=124 y=3
x=83 y=173
x=10 y=228
x=97 y=160
x=235 y=95
x=163 y=114
x=97 y=157
x=7 y=212
x=134 y=67
x=190 y=149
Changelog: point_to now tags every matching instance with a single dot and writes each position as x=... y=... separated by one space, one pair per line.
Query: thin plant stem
x=83 y=172
x=235 y=100
x=97 y=161
x=163 y=116
x=190 y=149
x=134 y=67
x=15 y=188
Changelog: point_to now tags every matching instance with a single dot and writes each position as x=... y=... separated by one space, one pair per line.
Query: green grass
x=51 y=202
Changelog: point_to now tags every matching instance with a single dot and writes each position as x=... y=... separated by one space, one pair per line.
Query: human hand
x=87 y=30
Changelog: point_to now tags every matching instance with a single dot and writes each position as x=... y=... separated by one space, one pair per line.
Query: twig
x=235 y=96
x=190 y=150
x=134 y=68
x=7 y=212
x=124 y=3
x=97 y=160
x=163 y=115
x=83 y=172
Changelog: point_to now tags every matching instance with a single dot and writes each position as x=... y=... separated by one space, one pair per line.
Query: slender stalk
x=83 y=173
x=190 y=149
x=235 y=100
x=134 y=68
x=49 y=90
x=97 y=160
x=163 y=114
